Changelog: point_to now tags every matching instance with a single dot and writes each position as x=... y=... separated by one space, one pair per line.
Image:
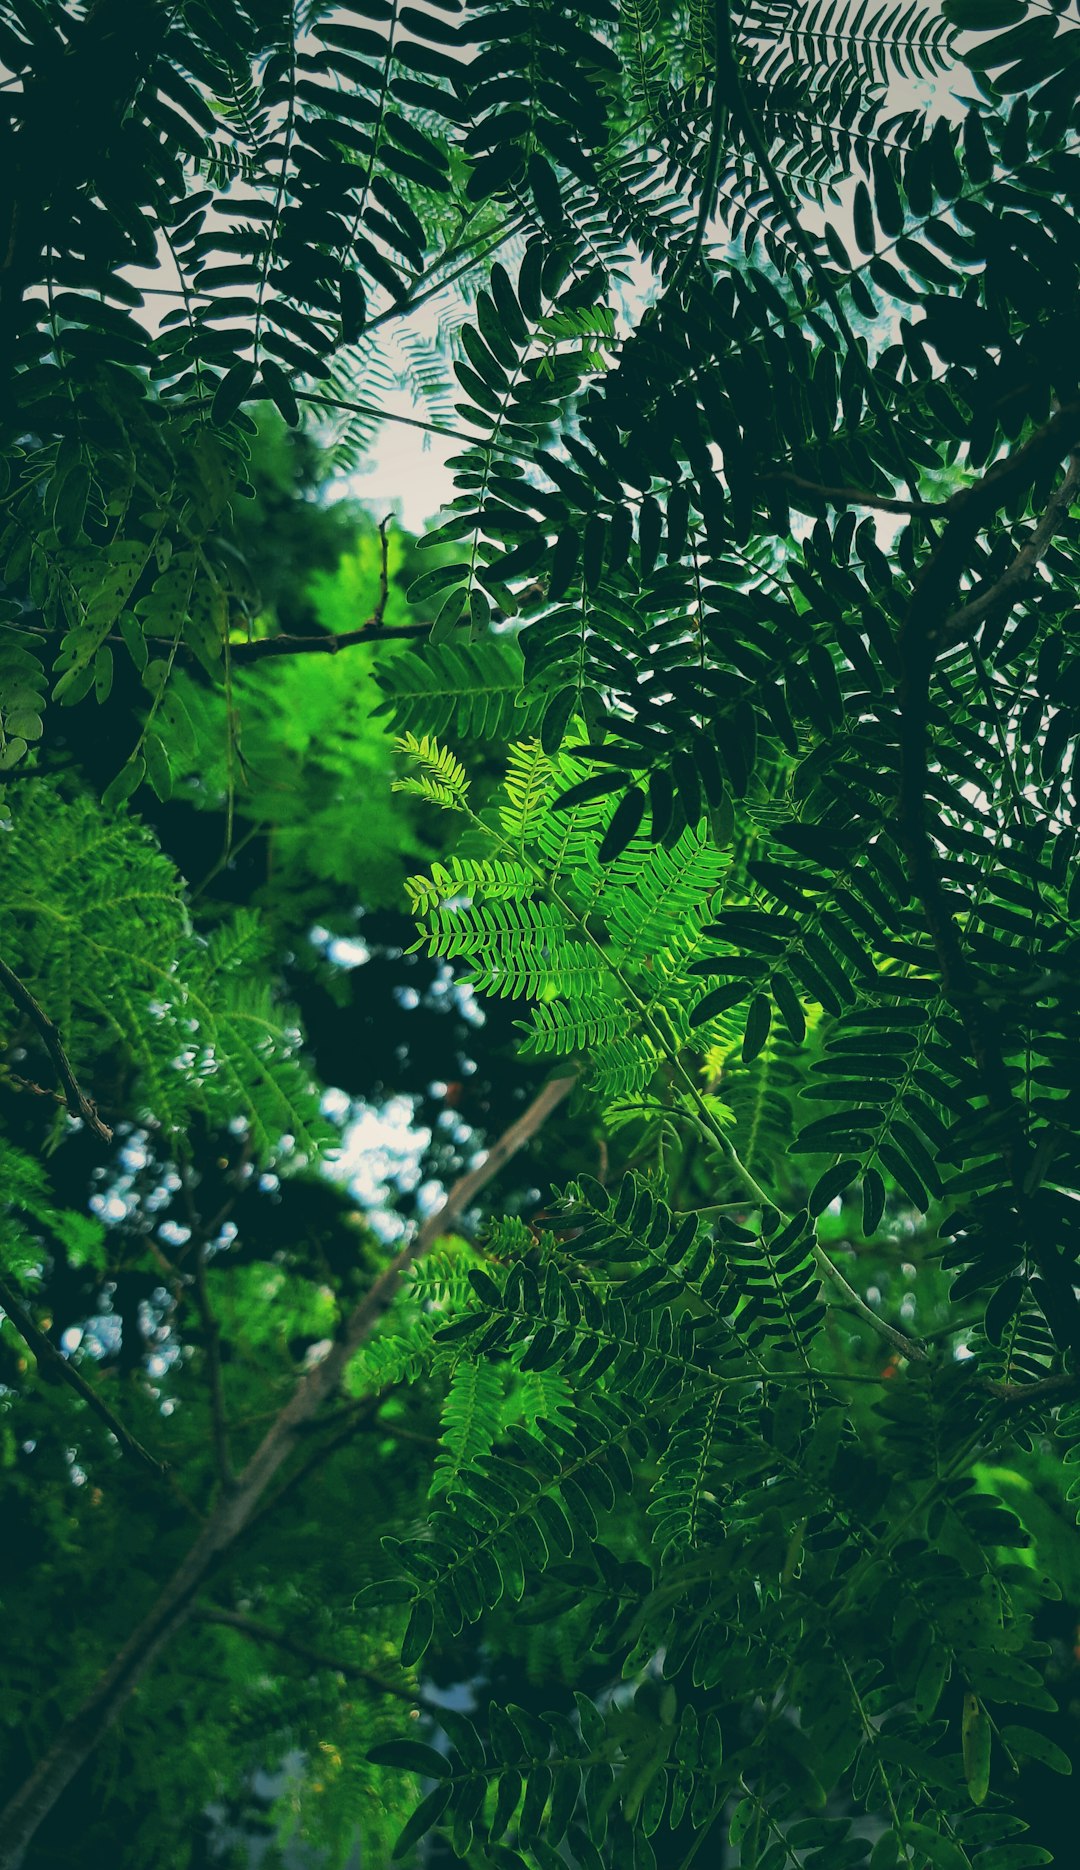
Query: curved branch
x=849 y=496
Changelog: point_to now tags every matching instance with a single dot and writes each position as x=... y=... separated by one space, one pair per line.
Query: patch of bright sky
x=407 y=470
x=382 y=1146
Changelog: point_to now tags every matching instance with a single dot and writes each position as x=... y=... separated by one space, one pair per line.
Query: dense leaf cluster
x=742 y=665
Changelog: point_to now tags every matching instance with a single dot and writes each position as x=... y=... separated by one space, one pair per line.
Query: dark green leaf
x=413 y=1756
x=427 y=1814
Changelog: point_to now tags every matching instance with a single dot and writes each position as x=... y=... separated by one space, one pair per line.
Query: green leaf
x=931 y=1680
x=1003 y=1305
x=975 y=1730
x=865 y=233
x=758 y=1022
x=556 y=719
x=624 y=825
x=427 y=1814
x=413 y=1756
x=789 y=1007
x=1021 y=1856
x=280 y=391
x=127 y=781
x=158 y=769
x=983 y=15
x=832 y=1183
x=1036 y=1746
x=873 y=1202
x=418 y=1635
x=233 y=390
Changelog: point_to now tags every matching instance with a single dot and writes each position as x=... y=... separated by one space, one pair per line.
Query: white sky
x=406 y=469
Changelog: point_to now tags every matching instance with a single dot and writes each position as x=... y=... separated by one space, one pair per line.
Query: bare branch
x=1061 y=1384
x=262 y=647
x=56 y=1368
x=74 y=1096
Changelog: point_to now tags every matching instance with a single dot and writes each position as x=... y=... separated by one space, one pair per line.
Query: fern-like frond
x=441 y=778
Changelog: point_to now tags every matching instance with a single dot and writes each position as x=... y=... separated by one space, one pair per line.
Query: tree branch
x=336 y=1665
x=74 y=1096
x=1061 y=1384
x=260 y=647
x=907 y=1347
x=1014 y=580
x=56 y=1368
x=80 y=1735
x=850 y=496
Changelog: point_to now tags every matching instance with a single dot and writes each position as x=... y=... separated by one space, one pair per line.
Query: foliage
x=723 y=743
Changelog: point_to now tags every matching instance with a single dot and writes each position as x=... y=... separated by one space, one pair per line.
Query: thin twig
x=907 y=1347
x=1010 y=587
x=329 y=644
x=852 y=496
x=201 y=1233
x=55 y=1367
x=74 y=1096
x=336 y=1665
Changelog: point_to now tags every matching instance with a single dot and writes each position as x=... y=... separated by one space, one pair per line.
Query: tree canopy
x=539 y=1063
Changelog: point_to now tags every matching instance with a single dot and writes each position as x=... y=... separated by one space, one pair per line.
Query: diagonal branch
x=335 y=1665
x=1014 y=580
x=56 y=1368
x=212 y=1337
x=175 y=1605
x=262 y=647
x=74 y=1096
